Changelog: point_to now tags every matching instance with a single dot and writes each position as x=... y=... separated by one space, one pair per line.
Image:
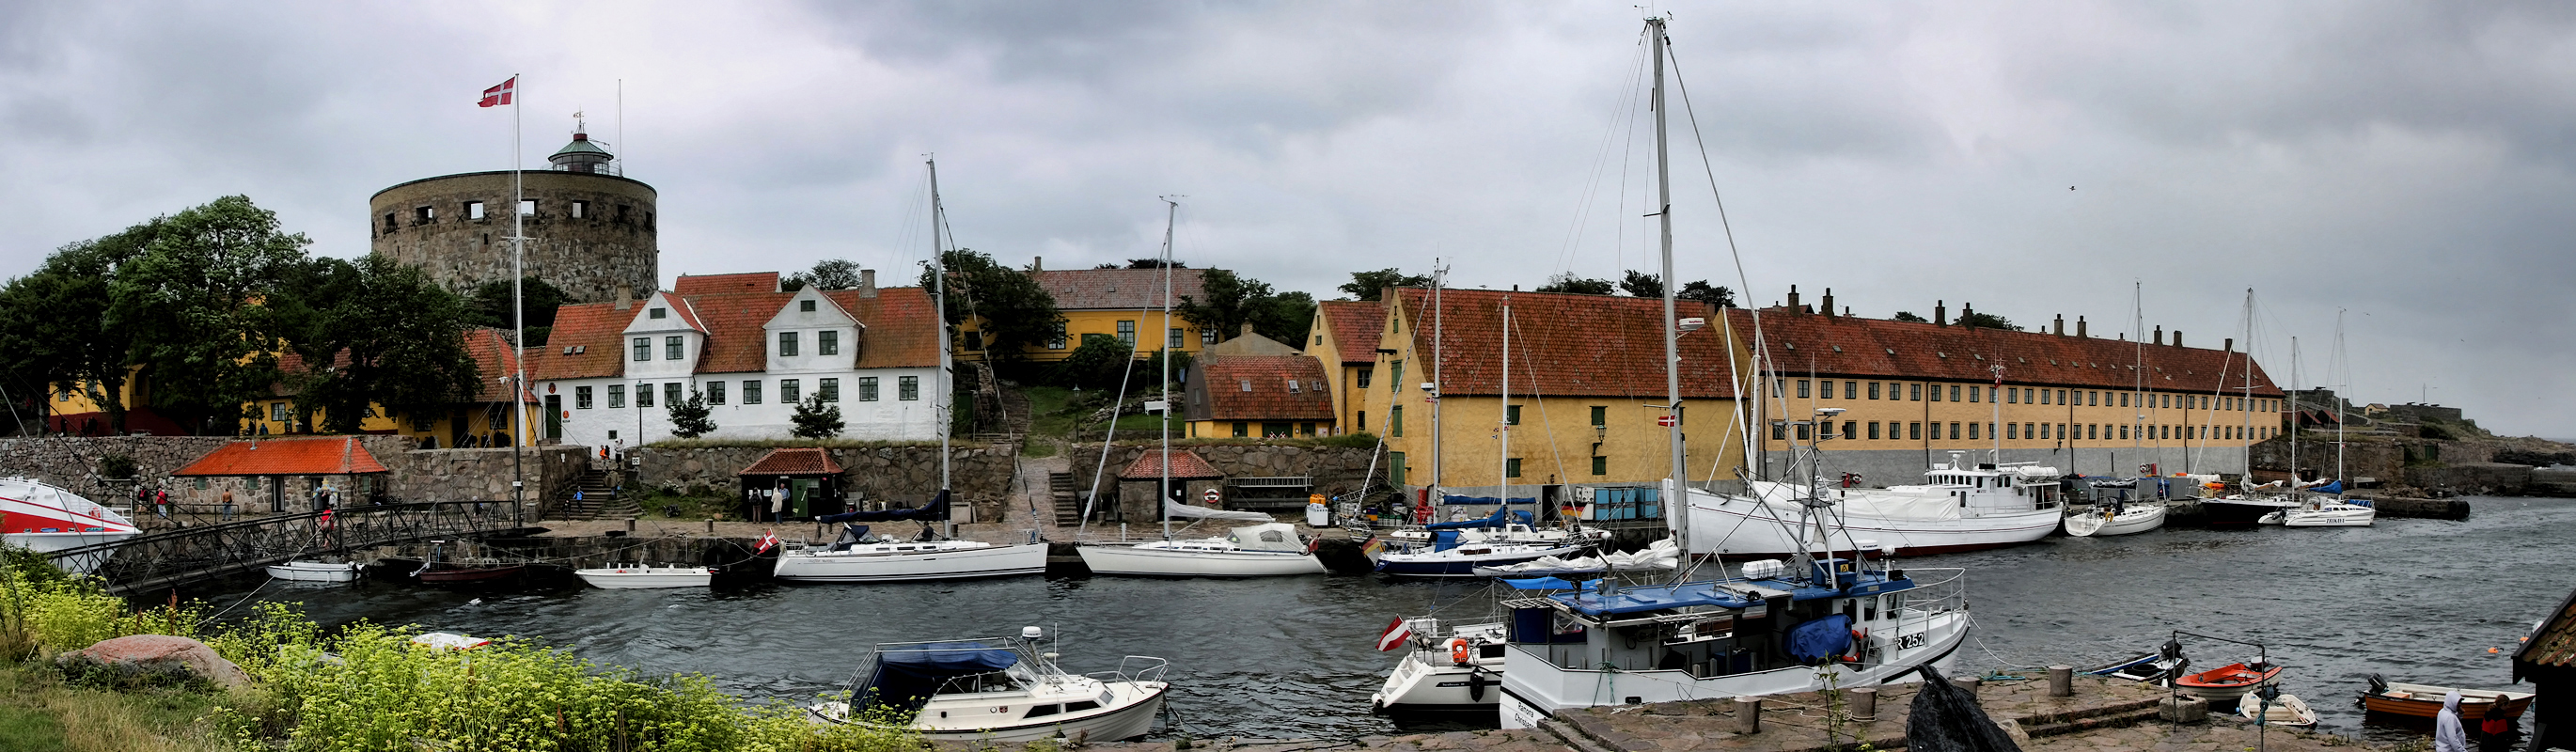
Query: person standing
x=226 y=512
x=2448 y=735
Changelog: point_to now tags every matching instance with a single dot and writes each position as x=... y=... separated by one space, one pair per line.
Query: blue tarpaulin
x=1474 y=500
x=1538 y=583
x=905 y=679
x=2335 y=487
x=1822 y=639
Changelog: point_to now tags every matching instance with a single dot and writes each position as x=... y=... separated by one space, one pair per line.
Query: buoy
x=2491 y=650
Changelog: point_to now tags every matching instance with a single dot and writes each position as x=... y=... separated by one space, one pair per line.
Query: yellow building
x=1252 y=387
x=1123 y=303
x=1910 y=394
x=486 y=420
x=1344 y=338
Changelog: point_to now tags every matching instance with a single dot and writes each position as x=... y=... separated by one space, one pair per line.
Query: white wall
x=885 y=419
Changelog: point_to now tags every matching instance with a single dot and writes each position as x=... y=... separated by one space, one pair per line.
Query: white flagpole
x=518 y=315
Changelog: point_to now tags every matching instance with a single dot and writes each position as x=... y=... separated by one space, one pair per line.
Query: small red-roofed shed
x=279 y=459
x=1192 y=479
x=792 y=483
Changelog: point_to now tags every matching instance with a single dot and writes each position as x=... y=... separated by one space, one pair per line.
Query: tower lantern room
x=583 y=155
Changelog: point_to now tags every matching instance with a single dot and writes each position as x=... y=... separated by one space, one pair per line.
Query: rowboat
x=2228 y=682
x=2425 y=700
x=475 y=575
x=639 y=576
x=2285 y=710
x=2143 y=667
x=310 y=570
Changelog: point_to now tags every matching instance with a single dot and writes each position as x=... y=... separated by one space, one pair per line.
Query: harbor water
x=2416 y=600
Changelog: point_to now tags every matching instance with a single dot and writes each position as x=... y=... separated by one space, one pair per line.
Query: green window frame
x=1600 y=416
x=1600 y=465
x=1395 y=421
x=1512 y=414
x=1512 y=467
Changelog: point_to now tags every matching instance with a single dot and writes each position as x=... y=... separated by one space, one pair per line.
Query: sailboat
x=2320 y=511
x=857 y=556
x=1783 y=627
x=1263 y=550
x=2251 y=505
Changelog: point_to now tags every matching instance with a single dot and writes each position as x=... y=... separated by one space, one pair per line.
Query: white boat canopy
x=1276 y=536
x=1177 y=510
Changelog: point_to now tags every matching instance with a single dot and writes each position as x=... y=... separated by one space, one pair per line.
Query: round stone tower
x=590 y=230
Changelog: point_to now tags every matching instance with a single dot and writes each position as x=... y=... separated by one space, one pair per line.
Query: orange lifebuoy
x=1458 y=650
x=1860 y=645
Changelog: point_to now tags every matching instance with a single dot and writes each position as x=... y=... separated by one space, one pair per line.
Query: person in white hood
x=2448 y=735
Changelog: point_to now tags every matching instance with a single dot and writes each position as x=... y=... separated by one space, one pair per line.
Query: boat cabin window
x=1489 y=651
x=1078 y=706
x=1043 y=711
x=1869 y=609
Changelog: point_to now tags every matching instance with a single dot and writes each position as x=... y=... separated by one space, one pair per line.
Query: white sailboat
x=2104 y=521
x=2317 y=511
x=858 y=557
x=1265 y=550
x=1803 y=625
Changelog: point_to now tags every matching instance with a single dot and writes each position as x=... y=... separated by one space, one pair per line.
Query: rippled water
x=2417 y=600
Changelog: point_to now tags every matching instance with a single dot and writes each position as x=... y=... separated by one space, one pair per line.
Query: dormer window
x=657 y=313
x=806 y=306
x=827 y=342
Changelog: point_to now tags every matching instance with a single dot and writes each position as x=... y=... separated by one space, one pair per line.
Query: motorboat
x=2323 y=513
x=314 y=570
x=1445 y=667
x=1265 y=550
x=46 y=518
x=642 y=576
x=2229 y=682
x=2106 y=520
x=998 y=690
x=1663 y=555
x=858 y=556
x=2143 y=667
x=2284 y=710
x=2425 y=700
x=1459 y=549
x=1961 y=507
x=2241 y=510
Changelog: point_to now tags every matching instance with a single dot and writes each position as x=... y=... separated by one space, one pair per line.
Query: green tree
x=1016 y=312
x=1369 y=285
x=1155 y=263
x=691 y=418
x=1230 y=301
x=54 y=324
x=1702 y=291
x=1642 y=285
x=490 y=305
x=1987 y=320
x=374 y=332
x=827 y=274
x=816 y=419
x=1911 y=316
x=1097 y=363
x=1567 y=282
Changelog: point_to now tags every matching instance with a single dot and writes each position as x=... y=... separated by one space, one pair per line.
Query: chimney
x=2160 y=334
x=867 y=283
x=1247 y=329
x=1828 y=304
x=1967 y=311
x=2177 y=338
x=1037 y=263
x=2079 y=328
x=1846 y=311
x=1387 y=295
x=2061 y=325
x=1940 y=313
x=1793 y=299
x=625 y=297
x=2231 y=344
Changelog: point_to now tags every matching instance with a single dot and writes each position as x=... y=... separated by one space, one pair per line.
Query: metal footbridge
x=206 y=551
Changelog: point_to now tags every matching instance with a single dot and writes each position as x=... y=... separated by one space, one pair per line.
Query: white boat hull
x=1145 y=560
x=1428 y=681
x=46 y=543
x=1739 y=526
x=905 y=566
x=966 y=719
x=314 y=571
x=2137 y=520
x=639 y=578
x=2333 y=515
x=1535 y=688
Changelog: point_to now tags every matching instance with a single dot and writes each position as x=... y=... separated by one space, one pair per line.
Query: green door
x=1395 y=469
x=806 y=489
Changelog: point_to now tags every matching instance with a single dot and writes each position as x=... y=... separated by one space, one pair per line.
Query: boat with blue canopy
x=998 y=689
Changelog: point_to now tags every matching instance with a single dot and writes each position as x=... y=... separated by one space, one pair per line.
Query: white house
x=752 y=352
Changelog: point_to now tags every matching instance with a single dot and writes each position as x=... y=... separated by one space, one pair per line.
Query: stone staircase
x=1068 y=503
x=599 y=499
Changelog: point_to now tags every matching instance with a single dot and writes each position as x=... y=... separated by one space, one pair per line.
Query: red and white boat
x=2229 y=682
x=46 y=518
x=1960 y=507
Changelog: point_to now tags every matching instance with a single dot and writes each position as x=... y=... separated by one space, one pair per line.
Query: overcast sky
x=2409 y=163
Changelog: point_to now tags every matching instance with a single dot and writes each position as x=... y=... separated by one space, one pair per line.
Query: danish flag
x=502 y=94
x=768 y=540
x=1394 y=635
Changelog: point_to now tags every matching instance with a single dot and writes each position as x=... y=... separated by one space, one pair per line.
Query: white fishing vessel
x=998 y=690
x=642 y=576
x=314 y=570
x=2105 y=520
x=46 y=518
x=1961 y=507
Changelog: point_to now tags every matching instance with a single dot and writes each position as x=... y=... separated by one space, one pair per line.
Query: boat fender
x=1458 y=650
x=1476 y=683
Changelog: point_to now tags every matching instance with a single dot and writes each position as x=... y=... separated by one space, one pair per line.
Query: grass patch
x=39 y=711
x=665 y=504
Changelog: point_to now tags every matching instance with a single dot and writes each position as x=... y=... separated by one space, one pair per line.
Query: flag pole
x=518 y=316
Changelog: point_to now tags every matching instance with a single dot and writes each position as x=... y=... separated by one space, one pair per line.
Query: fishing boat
x=2105 y=520
x=1961 y=507
x=436 y=571
x=998 y=690
x=2143 y=667
x=642 y=576
x=2285 y=710
x=2229 y=682
x=314 y=570
x=45 y=518
x=2425 y=700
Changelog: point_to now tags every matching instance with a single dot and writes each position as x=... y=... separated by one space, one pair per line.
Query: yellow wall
x=2227 y=427
x=1149 y=337
x=1321 y=345
x=1253 y=429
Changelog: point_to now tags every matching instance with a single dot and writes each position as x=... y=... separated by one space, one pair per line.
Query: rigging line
x=1743 y=282
x=1555 y=449
x=1621 y=107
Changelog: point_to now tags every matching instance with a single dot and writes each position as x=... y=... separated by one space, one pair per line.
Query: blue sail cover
x=2335 y=487
x=1821 y=639
x=905 y=680
x=1479 y=500
x=934 y=511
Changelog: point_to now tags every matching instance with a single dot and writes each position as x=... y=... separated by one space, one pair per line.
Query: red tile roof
x=1268 y=397
x=494 y=360
x=735 y=342
x=1186 y=465
x=901 y=331
x=1562 y=344
x=903 y=328
x=594 y=331
x=712 y=284
x=1117 y=289
x=794 y=461
x=1355 y=324
x=2553 y=645
x=1864 y=347
x=336 y=455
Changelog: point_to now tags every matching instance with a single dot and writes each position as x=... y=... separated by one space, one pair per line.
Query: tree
x=193 y=300
x=1016 y=312
x=815 y=419
x=490 y=304
x=827 y=274
x=1097 y=363
x=1702 y=291
x=374 y=332
x=1642 y=285
x=54 y=324
x=690 y=418
x=1155 y=263
x=1369 y=285
x=1987 y=320
x=1567 y=282
x=1910 y=316
x=1232 y=301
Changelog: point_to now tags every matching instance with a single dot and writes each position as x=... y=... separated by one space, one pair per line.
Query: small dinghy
x=2285 y=710
x=2103 y=522
x=641 y=576
x=2228 y=682
x=315 y=571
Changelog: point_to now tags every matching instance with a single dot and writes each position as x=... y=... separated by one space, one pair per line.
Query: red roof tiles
x=1117 y=289
x=713 y=284
x=1355 y=324
x=1265 y=387
x=1850 y=346
x=900 y=331
x=1562 y=344
x=593 y=332
x=903 y=328
x=794 y=461
x=338 y=455
x=1186 y=465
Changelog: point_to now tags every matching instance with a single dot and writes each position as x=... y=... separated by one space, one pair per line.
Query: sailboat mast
x=2294 y=418
x=1171 y=215
x=1677 y=508
x=2248 y=405
x=2138 y=374
x=1503 y=465
x=939 y=303
x=2344 y=369
x=1439 y=279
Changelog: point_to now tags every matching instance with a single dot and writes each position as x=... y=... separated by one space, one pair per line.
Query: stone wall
x=1335 y=470
x=413 y=475
x=612 y=244
x=480 y=474
x=903 y=475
